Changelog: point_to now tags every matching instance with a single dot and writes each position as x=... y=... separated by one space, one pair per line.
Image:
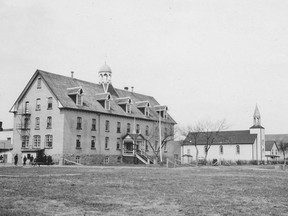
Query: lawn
x=242 y=190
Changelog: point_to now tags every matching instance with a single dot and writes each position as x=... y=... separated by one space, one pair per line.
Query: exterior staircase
x=144 y=157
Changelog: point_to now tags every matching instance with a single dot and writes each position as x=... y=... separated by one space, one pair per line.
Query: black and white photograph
x=143 y=107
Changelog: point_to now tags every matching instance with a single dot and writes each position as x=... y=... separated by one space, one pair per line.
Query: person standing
x=31 y=159
x=16 y=159
x=24 y=160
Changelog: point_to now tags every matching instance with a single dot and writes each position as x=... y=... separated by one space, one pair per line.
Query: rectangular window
x=93 y=128
x=106 y=160
x=107 y=126
x=147 y=130
x=25 y=141
x=106 y=143
x=49 y=105
x=39 y=83
x=137 y=128
x=107 y=104
x=37 y=140
x=128 y=127
x=93 y=140
x=79 y=123
x=37 y=123
x=49 y=122
x=118 y=127
x=156 y=145
x=128 y=108
x=188 y=152
x=78 y=142
x=165 y=147
x=27 y=108
x=49 y=141
x=165 y=132
x=146 y=146
x=79 y=99
x=38 y=104
x=118 y=145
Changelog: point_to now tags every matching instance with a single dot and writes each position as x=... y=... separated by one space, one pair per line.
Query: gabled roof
x=59 y=84
x=125 y=100
x=102 y=96
x=269 y=145
x=224 y=138
x=142 y=103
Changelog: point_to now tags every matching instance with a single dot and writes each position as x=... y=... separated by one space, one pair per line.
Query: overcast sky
x=204 y=59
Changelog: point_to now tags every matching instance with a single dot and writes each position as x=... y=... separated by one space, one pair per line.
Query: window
x=107 y=104
x=118 y=144
x=188 y=152
x=147 y=130
x=39 y=83
x=78 y=142
x=26 y=123
x=48 y=141
x=27 y=111
x=49 y=103
x=205 y=149
x=165 y=147
x=93 y=128
x=221 y=149
x=106 y=161
x=146 y=146
x=49 y=122
x=128 y=108
x=237 y=149
x=272 y=152
x=38 y=105
x=118 y=127
x=93 y=139
x=25 y=141
x=128 y=127
x=37 y=140
x=156 y=145
x=107 y=126
x=106 y=143
x=37 y=123
x=79 y=123
x=119 y=159
x=137 y=128
x=79 y=99
x=77 y=159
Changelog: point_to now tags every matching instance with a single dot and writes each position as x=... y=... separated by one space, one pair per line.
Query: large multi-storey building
x=88 y=123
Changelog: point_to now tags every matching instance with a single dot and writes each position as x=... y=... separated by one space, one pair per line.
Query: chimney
x=126 y=88
x=72 y=74
x=1 y=129
x=132 y=89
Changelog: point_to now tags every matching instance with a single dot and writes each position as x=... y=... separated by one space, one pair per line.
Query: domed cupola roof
x=105 y=69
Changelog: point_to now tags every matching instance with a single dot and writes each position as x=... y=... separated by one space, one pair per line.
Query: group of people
x=31 y=159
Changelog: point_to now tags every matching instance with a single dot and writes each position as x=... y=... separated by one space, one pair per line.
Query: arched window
x=237 y=149
x=221 y=149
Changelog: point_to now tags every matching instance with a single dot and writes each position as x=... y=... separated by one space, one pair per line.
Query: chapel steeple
x=256 y=117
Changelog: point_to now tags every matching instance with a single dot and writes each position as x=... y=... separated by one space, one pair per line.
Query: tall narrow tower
x=259 y=145
x=105 y=75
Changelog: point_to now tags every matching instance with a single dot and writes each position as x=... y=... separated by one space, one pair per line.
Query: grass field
x=249 y=190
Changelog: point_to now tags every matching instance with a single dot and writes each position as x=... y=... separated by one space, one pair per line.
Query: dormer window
x=143 y=106
x=104 y=99
x=162 y=111
x=76 y=94
x=125 y=104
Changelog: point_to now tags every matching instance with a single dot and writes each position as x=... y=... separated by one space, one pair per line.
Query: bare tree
x=283 y=148
x=211 y=133
x=193 y=134
x=166 y=137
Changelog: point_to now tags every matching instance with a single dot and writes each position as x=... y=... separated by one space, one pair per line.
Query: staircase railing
x=145 y=156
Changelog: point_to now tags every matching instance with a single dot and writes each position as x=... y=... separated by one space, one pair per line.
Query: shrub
x=253 y=162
